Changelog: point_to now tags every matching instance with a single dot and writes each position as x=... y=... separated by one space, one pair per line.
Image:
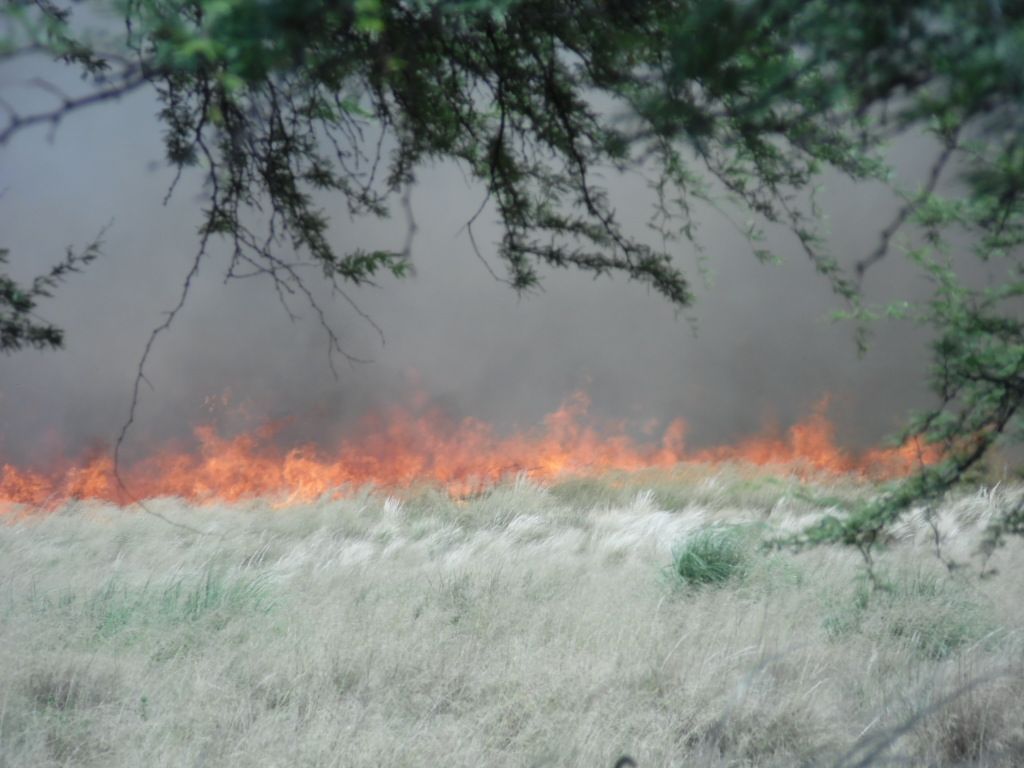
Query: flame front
x=401 y=447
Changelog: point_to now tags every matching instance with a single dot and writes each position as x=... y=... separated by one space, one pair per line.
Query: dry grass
x=524 y=627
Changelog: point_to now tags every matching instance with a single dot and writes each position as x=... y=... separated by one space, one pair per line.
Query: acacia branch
x=132 y=80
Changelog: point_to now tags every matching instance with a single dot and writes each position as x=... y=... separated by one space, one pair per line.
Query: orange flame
x=401 y=446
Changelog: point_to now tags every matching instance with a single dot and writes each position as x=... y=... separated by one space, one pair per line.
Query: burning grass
x=404 y=446
x=523 y=626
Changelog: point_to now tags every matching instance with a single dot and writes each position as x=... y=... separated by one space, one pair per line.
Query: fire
x=403 y=446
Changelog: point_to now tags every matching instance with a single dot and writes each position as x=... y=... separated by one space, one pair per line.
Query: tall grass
x=524 y=627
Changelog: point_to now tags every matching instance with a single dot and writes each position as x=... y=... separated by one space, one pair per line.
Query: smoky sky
x=763 y=353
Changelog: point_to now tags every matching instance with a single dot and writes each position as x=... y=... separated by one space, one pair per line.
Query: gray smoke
x=765 y=350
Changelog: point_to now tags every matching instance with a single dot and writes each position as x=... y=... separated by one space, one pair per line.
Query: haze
x=764 y=353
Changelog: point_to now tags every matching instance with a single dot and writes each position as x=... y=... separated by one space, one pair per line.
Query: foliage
x=739 y=105
x=933 y=615
x=19 y=325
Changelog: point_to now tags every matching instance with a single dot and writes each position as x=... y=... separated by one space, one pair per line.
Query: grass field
x=526 y=626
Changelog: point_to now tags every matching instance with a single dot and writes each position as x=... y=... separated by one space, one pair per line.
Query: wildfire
x=403 y=446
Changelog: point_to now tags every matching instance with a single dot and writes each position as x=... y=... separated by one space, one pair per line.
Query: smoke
x=764 y=352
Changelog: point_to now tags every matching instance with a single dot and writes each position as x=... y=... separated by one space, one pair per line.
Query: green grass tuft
x=714 y=555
